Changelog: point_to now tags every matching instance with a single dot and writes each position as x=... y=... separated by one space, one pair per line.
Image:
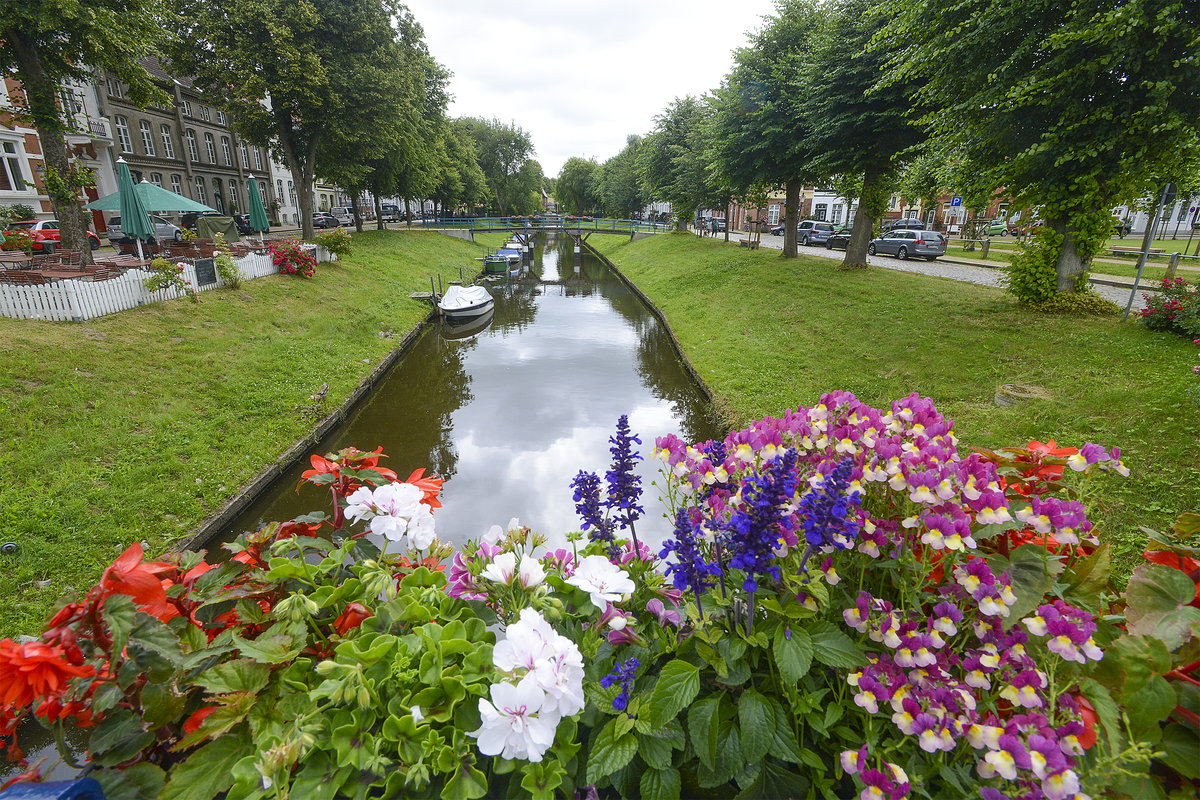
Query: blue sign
x=956 y=201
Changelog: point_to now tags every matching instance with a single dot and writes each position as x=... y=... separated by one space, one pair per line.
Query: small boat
x=461 y=303
x=495 y=264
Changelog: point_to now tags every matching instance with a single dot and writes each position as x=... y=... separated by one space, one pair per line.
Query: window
x=147 y=137
x=220 y=117
x=204 y=113
x=291 y=194
x=73 y=99
x=201 y=195
x=114 y=88
x=836 y=215
x=168 y=145
x=176 y=184
x=12 y=177
x=894 y=202
x=123 y=134
x=1183 y=208
x=773 y=214
x=279 y=189
x=262 y=193
x=258 y=159
x=211 y=146
x=225 y=151
x=821 y=210
x=218 y=198
x=187 y=108
x=193 y=151
x=245 y=157
x=233 y=196
x=156 y=179
x=1002 y=211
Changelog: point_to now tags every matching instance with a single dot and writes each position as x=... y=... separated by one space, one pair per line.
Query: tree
x=921 y=179
x=503 y=152
x=856 y=127
x=575 y=189
x=671 y=161
x=47 y=42
x=618 y=185
x=293 y=75
x=760 y=132
x=1073 y=107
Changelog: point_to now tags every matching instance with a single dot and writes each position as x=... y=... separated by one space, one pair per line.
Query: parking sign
x=955 y=201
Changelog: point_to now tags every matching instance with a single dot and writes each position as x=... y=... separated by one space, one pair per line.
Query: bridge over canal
x=576 y=226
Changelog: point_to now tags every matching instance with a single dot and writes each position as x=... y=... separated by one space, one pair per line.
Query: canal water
x=508 y=410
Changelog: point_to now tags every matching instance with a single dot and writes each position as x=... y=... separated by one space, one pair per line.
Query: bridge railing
x=565 y=224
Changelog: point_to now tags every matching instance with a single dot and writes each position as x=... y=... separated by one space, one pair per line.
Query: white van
x=344 y=215
x=389 y=212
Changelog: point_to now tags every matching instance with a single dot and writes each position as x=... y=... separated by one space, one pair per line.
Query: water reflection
x=510 y=412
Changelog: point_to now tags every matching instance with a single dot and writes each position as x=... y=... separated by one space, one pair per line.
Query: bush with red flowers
x=292 y=259
x=1176 y=308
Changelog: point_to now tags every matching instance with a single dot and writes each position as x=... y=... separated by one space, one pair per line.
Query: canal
x=510 y=409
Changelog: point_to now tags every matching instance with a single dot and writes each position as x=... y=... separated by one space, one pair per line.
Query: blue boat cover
x=81 y=789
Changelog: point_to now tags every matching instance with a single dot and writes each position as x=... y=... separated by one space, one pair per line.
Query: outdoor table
x=14 y=258
x=59 y=274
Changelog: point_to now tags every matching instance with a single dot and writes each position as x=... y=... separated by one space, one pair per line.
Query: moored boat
x=461 y=303
x=495 y=263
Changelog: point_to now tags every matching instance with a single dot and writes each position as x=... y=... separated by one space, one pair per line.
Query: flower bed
x=849 y=605
x=292 y=258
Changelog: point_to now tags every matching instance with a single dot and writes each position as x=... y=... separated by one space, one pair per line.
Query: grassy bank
x=769 y=334
x=137 y=426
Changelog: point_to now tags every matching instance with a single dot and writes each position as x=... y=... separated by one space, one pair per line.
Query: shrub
x=165 y=275
x=1176 y=309
x=16 y=240
x=335 y=240
x=291 y=259
x=1083 y=302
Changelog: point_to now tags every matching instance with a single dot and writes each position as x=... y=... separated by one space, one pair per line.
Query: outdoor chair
x=23 y=277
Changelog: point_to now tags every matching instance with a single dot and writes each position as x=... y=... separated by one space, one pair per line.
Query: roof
x=156 y=68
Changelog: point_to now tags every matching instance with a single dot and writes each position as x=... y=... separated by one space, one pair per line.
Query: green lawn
x=769 y=334
x=137 y=426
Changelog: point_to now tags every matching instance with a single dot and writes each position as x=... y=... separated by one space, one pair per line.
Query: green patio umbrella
x=155 y=200
x=135 y=221
x=258 y=214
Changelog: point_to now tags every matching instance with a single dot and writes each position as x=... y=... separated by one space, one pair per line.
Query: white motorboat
x=461 y=303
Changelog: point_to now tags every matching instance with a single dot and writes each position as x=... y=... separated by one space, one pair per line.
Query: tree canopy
x=618 y=184
x=575 y=188
x=672 y=159
x=505 y=152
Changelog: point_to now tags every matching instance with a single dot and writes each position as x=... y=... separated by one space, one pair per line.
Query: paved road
x=985 y=276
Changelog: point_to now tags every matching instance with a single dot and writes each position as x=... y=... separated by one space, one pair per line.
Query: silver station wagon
x=904 y=243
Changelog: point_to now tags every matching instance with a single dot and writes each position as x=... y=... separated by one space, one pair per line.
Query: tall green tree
x=761 y=129
x=857 y=127
x=672 y=159
x=618 y=183
x=46 y=42
x=1073 y=107
x=575 y=189
x=291 y=75
x=460 y=180
x=503 y=152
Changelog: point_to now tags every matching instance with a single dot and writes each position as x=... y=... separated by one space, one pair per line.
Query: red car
x=45 y=234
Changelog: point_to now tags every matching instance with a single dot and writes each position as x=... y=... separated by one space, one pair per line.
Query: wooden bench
x=22 y=277
x=753 y=245
x=1137 y=251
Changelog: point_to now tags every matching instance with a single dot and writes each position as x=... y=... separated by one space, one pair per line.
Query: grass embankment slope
x=768 y=334
x=137 y=426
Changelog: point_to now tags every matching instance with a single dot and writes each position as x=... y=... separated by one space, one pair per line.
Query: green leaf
x=834 y=648
x=1179 y=748
x=541 y=779
x=161 y=704
x=757 y=723
x=1148 y=708
x=1087 y=578
x=654 y=751
x=678 y=683
x=1129 y=663
x=467 y=783
x=660 y=784
x=238 y=675
x=1032 y=574
x=1157 y=599
x=793 y=656
x=137 y=782
x=1108 y=713
x=783 y=740
x=208 y=771
x=610 y=753
x=119 y=613
x=274 y=646
x=702 y=727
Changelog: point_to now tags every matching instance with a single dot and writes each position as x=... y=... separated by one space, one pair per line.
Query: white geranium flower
x=604 y=581
x=552 y=659
x=417 y=715
x=513 y=725
x=501 y=569
x=530 y=572
x=395 y=510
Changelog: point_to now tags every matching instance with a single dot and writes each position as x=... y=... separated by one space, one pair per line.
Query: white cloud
x=580 y=77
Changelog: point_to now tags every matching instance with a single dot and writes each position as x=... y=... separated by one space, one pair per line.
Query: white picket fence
x=75 y=300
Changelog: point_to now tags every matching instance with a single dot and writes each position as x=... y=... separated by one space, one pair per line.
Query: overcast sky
x=581 y=76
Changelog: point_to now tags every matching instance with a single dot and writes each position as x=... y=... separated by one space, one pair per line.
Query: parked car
x=243 y=224
x=164 y=230
x=812 y=231
x=905 y=243
x=322 y=219
x=188 y=219
x=45 y=233
x=997 y=227
x=907 y=224
x=1122 y=227
x=839 y=239
x=344 y=215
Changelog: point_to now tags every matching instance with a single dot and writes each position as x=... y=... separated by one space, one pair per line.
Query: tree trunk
x=407 y=213
x=1070 y=263
x=728 y=220
x=357 y=216
x=864 y=224
x=791 y=218
x=304 y=198
x=42 y=101
x=379 y=226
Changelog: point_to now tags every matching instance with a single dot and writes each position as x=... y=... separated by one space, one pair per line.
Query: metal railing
x=552 y=224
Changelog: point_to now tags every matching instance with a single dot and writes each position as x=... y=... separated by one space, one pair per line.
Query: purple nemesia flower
x=623 y=673
x=666 y=616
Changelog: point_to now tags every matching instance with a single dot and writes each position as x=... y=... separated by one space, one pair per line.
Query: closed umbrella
x=258 y=214
x=135 y=221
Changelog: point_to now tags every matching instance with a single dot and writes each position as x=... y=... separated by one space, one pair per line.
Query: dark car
x=243 y=224
x=188 y=218
x=839 y=239
x=904 y=243
x=323 y=220
x=908 y=223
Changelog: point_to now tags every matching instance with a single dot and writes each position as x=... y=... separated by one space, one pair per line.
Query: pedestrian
x=714 y=226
